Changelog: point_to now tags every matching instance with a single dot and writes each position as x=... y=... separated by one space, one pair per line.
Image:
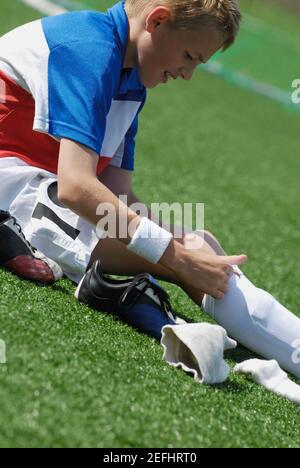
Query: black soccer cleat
x=20 y=257
x=138 y=301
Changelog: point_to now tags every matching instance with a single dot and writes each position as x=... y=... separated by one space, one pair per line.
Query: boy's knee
x=209 y=236
x=213 y=242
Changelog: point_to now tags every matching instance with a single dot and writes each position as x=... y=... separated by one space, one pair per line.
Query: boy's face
x=163 y=53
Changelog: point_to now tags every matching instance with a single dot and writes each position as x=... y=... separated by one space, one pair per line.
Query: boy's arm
x=81 y=191
x=79 y=188
x=118 y=180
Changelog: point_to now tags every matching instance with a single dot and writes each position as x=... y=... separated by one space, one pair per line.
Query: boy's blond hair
x=222 y=15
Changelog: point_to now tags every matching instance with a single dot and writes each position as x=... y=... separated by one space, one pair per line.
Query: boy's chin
x=149 y=83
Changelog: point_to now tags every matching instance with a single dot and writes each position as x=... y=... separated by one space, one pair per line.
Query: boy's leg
x=249 y=314
x=255 y=319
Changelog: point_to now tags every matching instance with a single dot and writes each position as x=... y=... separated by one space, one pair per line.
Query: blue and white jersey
x=71 y=67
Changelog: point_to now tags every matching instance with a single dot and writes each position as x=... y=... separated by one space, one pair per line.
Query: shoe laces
x=157 y=290
x=33 y=249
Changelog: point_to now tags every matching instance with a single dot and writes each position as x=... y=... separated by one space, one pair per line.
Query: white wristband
x=150 y=241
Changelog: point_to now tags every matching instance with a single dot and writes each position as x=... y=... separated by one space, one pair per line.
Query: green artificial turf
x=76 y=378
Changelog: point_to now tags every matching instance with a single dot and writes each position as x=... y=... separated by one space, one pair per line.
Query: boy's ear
x=156 y=17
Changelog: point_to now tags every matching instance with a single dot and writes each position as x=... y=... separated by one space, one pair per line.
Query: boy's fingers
x=229 y=271
x=219 y=295
x=236 y=259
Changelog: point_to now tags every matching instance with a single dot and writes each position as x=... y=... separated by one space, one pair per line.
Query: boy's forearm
x=88 y=206
x=93 y=200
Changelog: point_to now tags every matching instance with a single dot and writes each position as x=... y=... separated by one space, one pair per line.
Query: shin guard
x=258 y=321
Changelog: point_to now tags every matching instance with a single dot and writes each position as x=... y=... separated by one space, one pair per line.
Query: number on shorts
x=42 y=210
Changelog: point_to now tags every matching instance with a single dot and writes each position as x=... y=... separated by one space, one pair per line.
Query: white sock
x=198 y=348
x=269 y=375
x=258 y=321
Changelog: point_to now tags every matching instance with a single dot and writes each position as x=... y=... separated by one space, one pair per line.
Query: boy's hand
x=206 y=272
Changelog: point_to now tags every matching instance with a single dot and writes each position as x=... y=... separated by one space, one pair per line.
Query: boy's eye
x=188 y=56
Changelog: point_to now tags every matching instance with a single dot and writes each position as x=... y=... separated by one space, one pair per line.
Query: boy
x=80 y=80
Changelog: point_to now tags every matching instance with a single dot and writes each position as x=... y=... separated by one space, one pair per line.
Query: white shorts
x=30 y=195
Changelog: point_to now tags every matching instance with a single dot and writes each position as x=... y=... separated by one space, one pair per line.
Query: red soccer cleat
x=20 y=257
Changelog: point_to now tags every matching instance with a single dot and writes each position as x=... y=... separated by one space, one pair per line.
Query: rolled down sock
x=269 y=375
x=198 y=348
x=258 y=321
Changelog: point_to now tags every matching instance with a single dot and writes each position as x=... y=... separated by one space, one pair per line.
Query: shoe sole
x=76 y=294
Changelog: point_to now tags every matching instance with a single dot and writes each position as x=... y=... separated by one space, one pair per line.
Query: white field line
x=45 y=7
x=249 y=83
x=52 y=8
